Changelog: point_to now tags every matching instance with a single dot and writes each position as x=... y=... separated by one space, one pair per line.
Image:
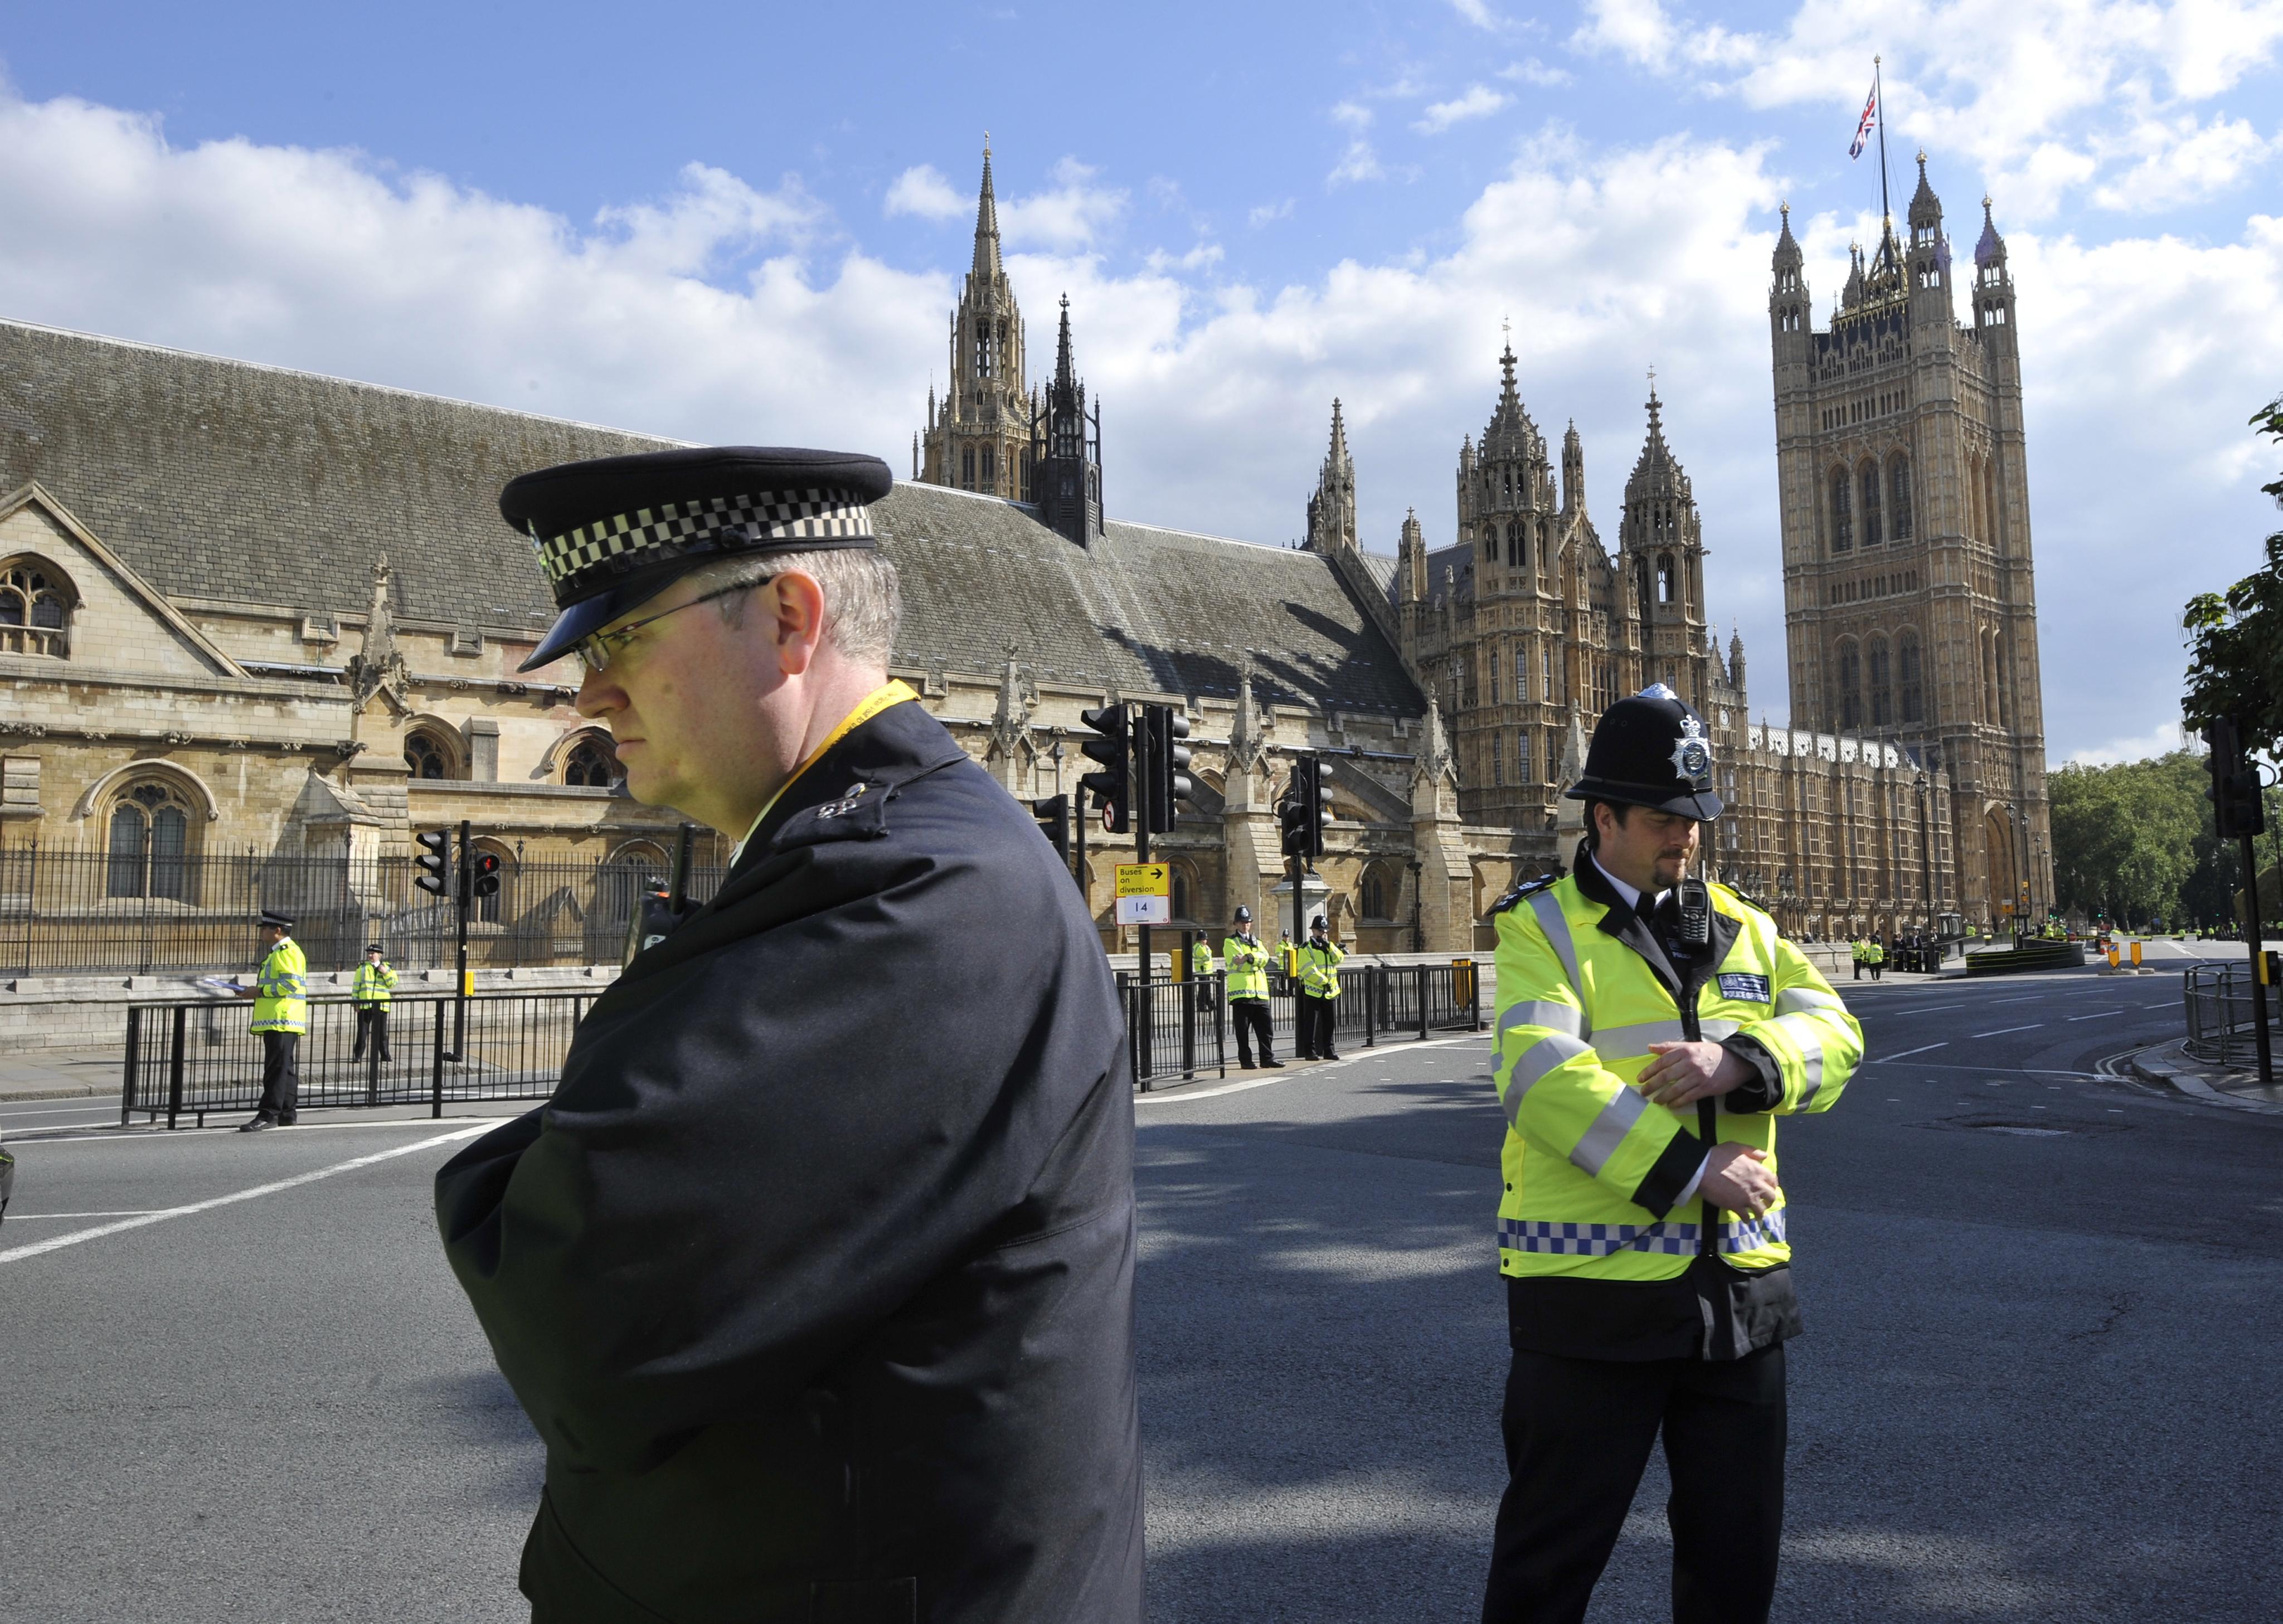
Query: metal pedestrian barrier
x=2218 y=997
x=1178 y=1030
x=193 y=1058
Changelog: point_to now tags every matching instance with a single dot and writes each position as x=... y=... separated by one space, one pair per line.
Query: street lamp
x=1926 y=854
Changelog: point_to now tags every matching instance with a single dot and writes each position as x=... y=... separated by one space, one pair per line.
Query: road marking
x=58 y=1110
x=2101 y=1015
x=142 y=1219
x=2002 y=1031
x=144 y=1134
x=1158 y=1097
x=2026 y=999
x=2161 y=1004
x=1915 y=1009
x=131 y=1212
x=1906 y=1053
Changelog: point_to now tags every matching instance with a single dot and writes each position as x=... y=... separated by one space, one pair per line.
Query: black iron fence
x=188 y=1059
x=83 y=912
x=2219 y=999
x=1179 y=1030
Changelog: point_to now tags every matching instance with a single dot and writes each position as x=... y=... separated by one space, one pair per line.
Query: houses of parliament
x=179 y=690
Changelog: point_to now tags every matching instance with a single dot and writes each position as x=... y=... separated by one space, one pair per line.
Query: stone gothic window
x=1664 y=578
x=1546 y=689
x=1870 y=484
x=990 y=475
x=591 y=764
x=967 y=468
x=1024 y=493
x=1498 y=761
x=1521 y=675
x=1518 y=549
x=427 y=755
x=1907 y=657
x=1521 y=757
x=1899 y=496
x=1843 y=524
x=1374 y=894
x=1492 y=661
x=36 y=605
x=150 y=843
x=1882 y=710
x=984 y=350
x=1851 y=685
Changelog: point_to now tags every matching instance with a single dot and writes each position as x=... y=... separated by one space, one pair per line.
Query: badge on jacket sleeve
x=1744 y=989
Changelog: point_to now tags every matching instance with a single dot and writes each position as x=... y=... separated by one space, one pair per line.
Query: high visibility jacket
x=1874 y=953
x=1248 y=966
x=373 y=985
x=1200 y=959
x=1855 y=948
x=1592 y=1168
x=1319 y=970
x=281 y=999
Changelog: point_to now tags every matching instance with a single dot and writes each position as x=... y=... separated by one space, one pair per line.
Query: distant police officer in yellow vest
x=281 y=1015
x=371 y=990
x=1650 y=1029
x=1245 y=958
x=1201 y=960
x=1320 y=993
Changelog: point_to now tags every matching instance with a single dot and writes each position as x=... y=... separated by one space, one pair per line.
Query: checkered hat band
x=735 y=524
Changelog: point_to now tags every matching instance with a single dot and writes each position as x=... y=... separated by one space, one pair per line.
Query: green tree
x=2235 y=638
x=2126 y=837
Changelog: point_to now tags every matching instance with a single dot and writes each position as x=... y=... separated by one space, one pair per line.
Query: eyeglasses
x=599 y=649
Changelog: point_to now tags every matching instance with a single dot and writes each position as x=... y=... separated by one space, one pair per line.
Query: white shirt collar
x=1630 y=893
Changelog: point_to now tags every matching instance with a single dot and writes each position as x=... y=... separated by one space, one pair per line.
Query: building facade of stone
x=1910 y=600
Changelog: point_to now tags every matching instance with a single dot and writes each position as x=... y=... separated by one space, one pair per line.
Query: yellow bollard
x=2112 y=957
x=2135 y=955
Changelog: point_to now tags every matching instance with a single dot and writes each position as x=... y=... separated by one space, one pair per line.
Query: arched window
x=1180 y=898
x=1490 y=542
x=150 y=843
x=1869 y=481
x=1883 y=709
x=1851 y=685
x=1521 y=674
x=1664 y=578
x=1990 y=506
x=1518 y=549
x=1842 y=523
x=35 y=606
x=591 y=763
x=1899 y=496
x=1913 y=685
x=1374 y=895
x=427 y=755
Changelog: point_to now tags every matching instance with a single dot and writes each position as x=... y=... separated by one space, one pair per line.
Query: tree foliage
x=2235 y=638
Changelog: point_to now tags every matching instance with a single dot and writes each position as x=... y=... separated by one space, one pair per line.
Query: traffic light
x=1303 y=811
x=1112 y=787
x=1168 y=784
x=1053 y=814
x=1316 y=775
x=435 y=864
x=2234 y=795
x=483 y=875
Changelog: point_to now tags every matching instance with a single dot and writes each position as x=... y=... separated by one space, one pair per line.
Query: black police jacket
x=816 y=1274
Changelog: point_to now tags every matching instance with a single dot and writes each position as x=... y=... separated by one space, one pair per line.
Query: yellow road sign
x=1145 y=894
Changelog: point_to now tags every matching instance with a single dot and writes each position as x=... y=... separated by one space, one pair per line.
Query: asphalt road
x=2040 y=1305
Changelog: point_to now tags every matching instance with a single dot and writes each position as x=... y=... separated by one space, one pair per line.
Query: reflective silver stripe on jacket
x=1803 y=1030
x=1534 y=1062
x=1791 y=1000
x=1556 y=926
x=1530 y=1012
x=1671 y=1238
x=1608 y=1132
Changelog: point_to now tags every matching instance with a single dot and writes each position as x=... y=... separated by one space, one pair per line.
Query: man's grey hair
x=864 y=602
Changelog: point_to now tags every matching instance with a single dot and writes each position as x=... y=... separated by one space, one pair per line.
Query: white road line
x=2002 y=1031
x=2100 y=1015
x=1160 y=1097
x=58 y=1110
x=2026 y=999
x=1915 y=1009
x=2161 y=1004
x=131 y=1212
x=140 y=1220
x=1906 y=1053
x=142 y=1134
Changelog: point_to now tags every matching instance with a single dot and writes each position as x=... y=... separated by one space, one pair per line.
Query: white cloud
x=2161 y=741
x=1476 y=12
x=1202 y=257
x=1531 y=71
x=1478 y=102
x=921 y=189
x=1360 y=162
x=1264 y=214
x=2185 y=161
x=1074 y=213
x=1354 y=114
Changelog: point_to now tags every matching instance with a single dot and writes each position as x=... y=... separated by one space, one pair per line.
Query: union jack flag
x=1863 y=126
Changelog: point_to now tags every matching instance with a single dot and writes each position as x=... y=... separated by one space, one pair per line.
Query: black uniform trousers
x=1250 y=1016
x=1315 y=1020
x=281 y=1076
x=1577 y=1437
x=373 y=1023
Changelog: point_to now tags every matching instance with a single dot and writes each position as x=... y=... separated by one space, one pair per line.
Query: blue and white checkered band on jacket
x=578 y=560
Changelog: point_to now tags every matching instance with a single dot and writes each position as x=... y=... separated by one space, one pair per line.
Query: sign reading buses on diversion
x=1145 y=894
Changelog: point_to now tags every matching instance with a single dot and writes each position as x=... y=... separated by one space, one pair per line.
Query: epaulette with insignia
x=1743 y=896
x=1525 y=888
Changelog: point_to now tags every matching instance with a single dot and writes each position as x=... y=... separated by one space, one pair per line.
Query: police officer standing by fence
x=1245 y=960
x=815 y=1275
x=1650 y=1029
x=1320 y=993
x=371 y=990
x=281 y=1017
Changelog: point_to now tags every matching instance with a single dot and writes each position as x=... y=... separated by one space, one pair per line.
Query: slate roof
x=1144 y=610
x=221 y=479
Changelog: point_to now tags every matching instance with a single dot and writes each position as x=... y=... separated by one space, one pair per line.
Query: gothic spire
x=987 y=221
x=1065 y=372
x=1991 y=249
x=1338 y=458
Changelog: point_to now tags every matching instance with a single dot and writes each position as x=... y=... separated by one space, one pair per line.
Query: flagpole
x=1886 y=208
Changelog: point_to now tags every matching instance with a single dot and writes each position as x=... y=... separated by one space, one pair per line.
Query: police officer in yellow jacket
x=1245 y=957
x=372 y=989
x=281 y=1016
x=1650 y=1029
x=1319 y=970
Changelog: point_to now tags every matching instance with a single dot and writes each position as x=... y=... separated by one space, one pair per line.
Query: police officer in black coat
x=815 y=1275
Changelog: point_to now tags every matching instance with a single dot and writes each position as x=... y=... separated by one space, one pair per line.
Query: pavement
x=2041 y=1293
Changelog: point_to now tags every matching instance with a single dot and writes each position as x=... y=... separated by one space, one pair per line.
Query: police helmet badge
x=1692 y=755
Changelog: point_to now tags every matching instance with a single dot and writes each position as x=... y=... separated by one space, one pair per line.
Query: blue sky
x=747 y=223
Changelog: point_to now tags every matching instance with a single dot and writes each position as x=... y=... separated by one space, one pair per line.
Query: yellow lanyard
x=889 y=692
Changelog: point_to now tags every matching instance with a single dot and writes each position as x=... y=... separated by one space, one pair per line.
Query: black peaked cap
x=569 y=494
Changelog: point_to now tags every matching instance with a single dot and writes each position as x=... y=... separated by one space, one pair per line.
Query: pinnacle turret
x=1990 y=249
x=987 y=223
